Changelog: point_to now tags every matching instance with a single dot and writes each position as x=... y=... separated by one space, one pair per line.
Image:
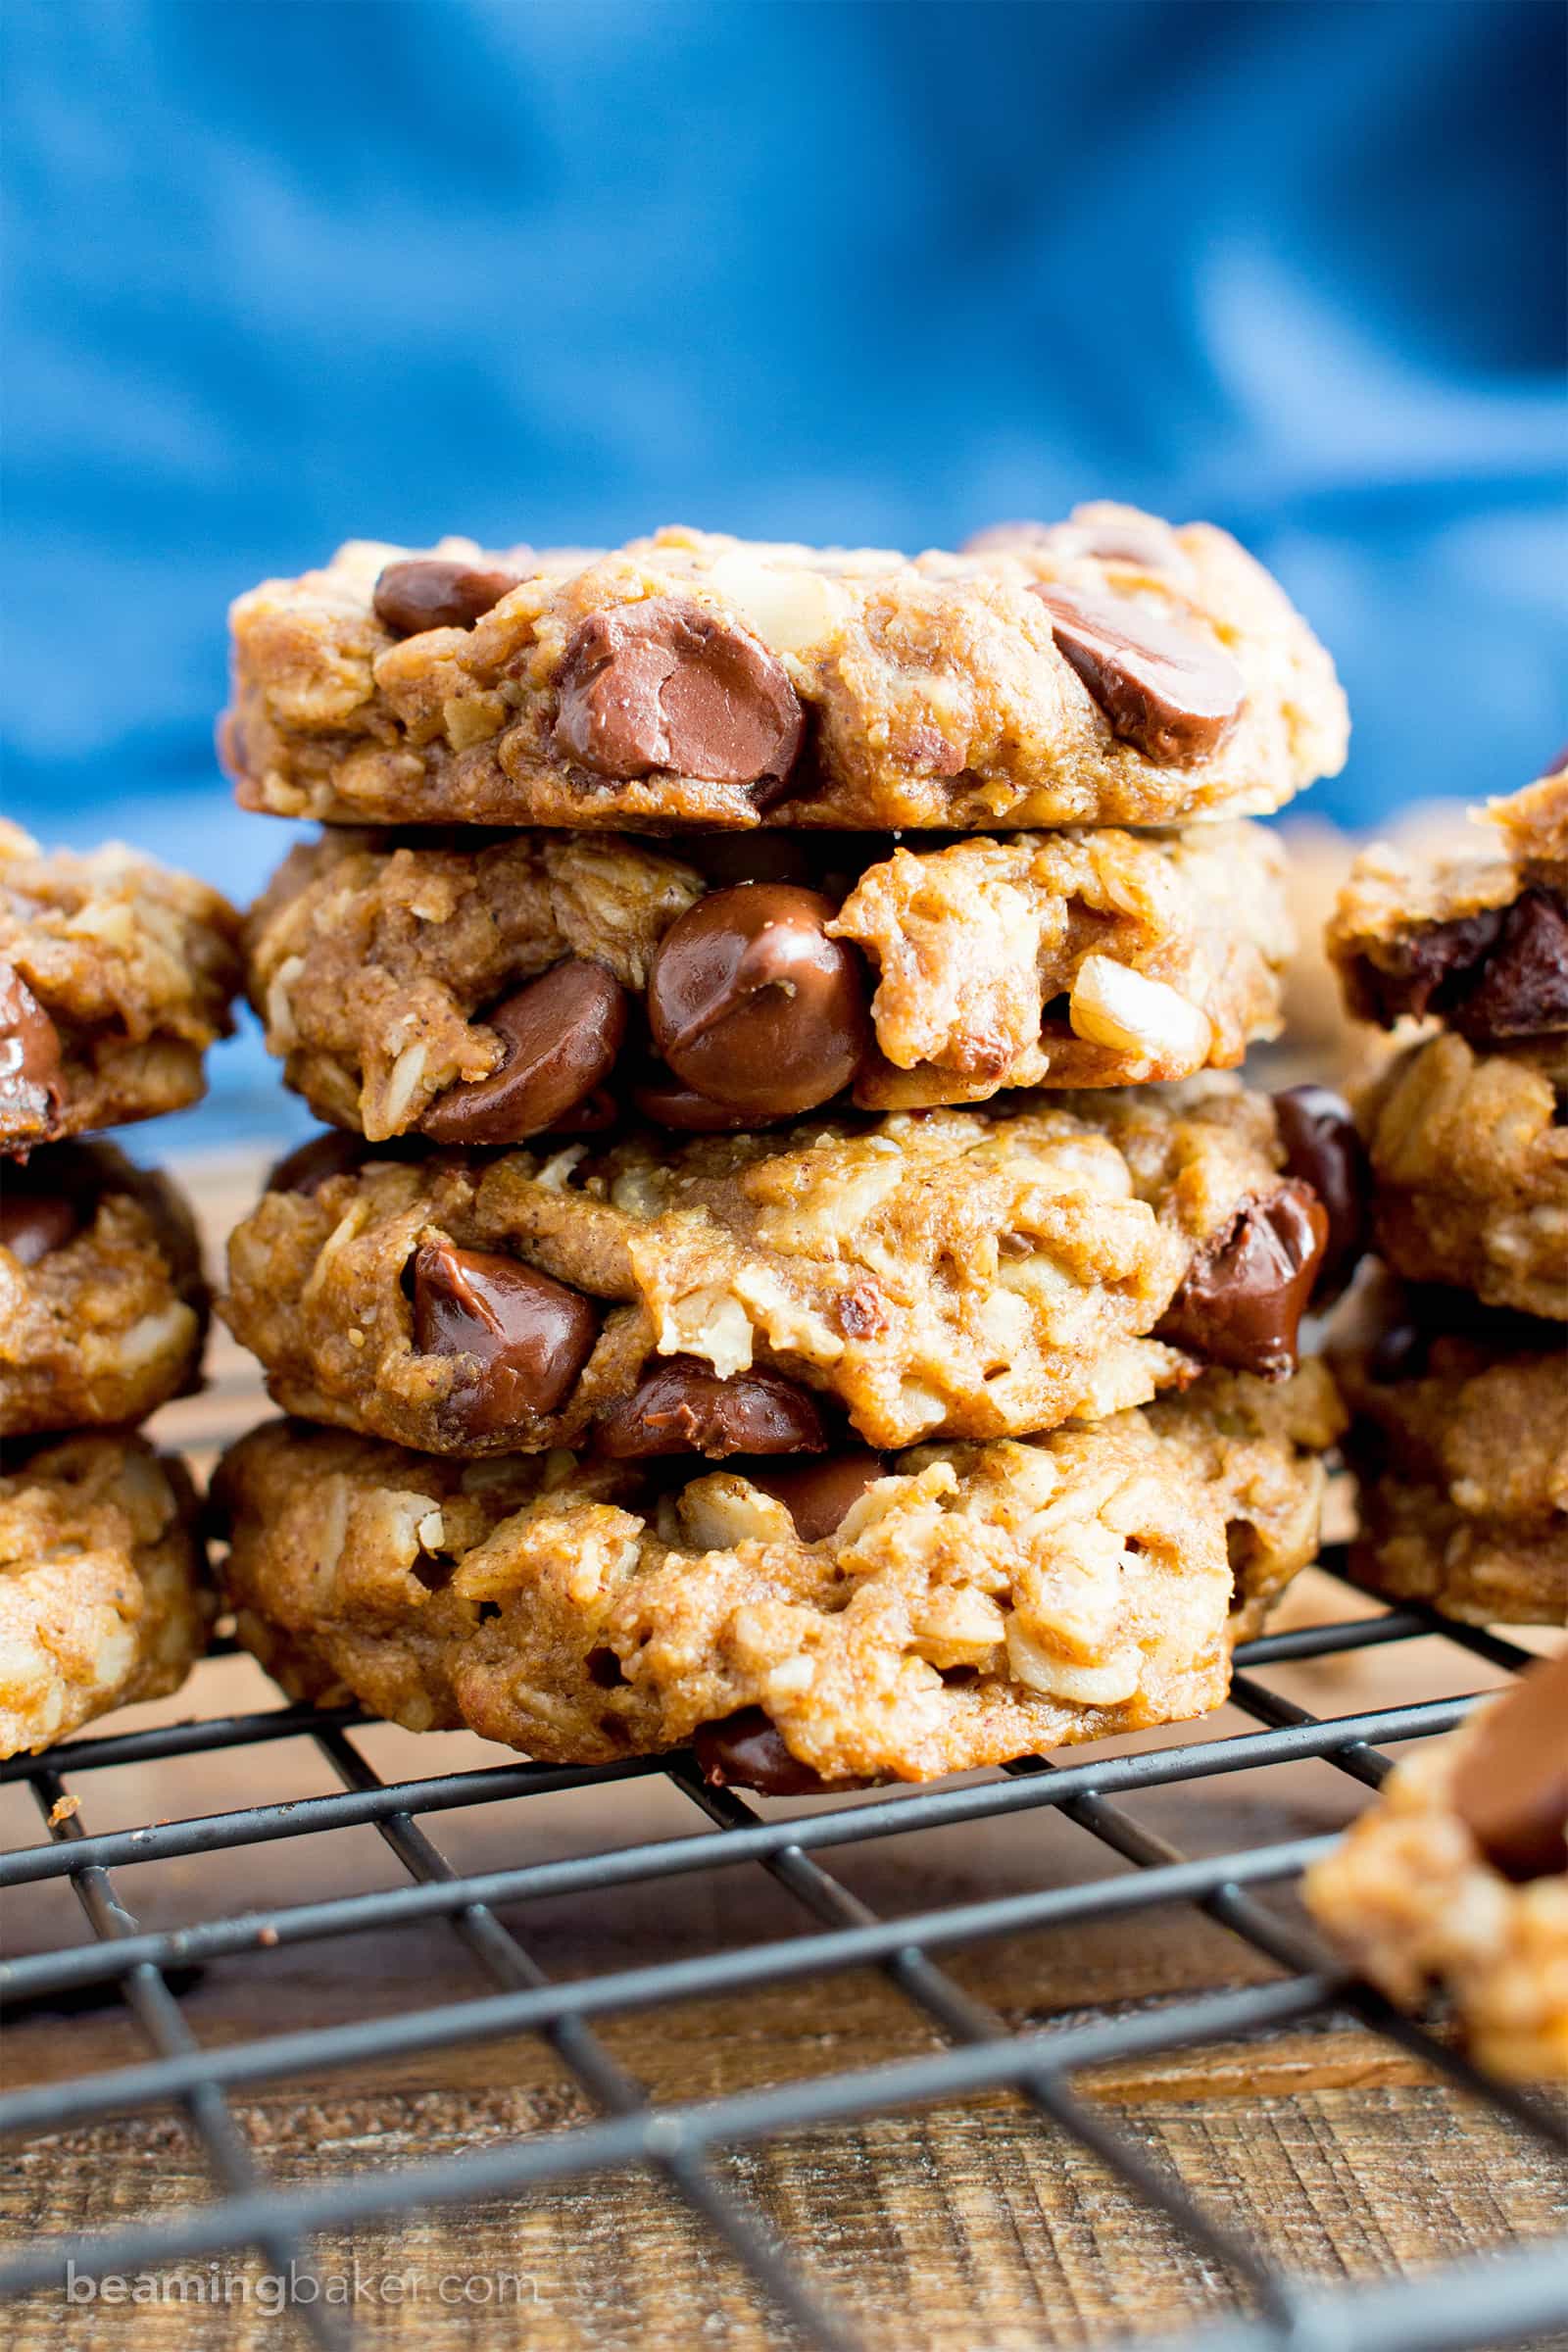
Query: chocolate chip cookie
x=955 y=1273
x=1458 y=1877
x=1469 y=1159
x=487 y=991
x=102 y=1600
x=1466 y=1131
x=103 y=1308
x=116 y=975
x=1459 y=1442
x=1106 y=670
x=805 y=1624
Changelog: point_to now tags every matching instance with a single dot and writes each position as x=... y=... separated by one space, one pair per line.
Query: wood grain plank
x=973 y=2223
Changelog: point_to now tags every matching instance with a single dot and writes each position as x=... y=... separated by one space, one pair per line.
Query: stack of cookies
x=755 y=1292
x=115 y=977
x=1456 y=1361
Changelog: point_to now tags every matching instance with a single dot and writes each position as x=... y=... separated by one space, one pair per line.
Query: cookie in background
x=1457 y=1877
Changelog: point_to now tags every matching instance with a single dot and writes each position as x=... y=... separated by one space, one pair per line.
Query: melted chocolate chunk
x=1510 y=1788
x=30 y=1061
x=530 y=1336
x=745 y=1751
x=817 y=1494
x=664 y=686
x=1323 y=1148
x=1242 y=1302
x=1521 y=989
x=753 y=1005
x=1495 y=976
x=561 y=1034
x=432 y=592
x=682 y=1407
x=1171 y=693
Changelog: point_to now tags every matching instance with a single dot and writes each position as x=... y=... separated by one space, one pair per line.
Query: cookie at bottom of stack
x=101 y=1597
x=1459 y=1442
x=807 y=1624
x=1458 y=1875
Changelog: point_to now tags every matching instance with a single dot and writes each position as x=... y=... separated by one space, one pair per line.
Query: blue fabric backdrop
x=284 y=270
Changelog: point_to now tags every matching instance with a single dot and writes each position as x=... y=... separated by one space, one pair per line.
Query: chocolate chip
x=591 y=1116
x=1510 y=1784
x=681 y=1406
x=56 y=1195
x=432 y=592
x=817 y=1494
x=29 y=1058
x=561 y=1034
x=531 y=1335
x=666 y=686
x=1170 y=693
x=34 y=1223
x=311 y=1165
x=1494 y=976
x=665 y=1100
x=753 y=1004
x=1425 y=971
x=1242 y=1302
x=745 y=1751
x=1399 y=1352
x=1323 y=1148
x=1521 y=989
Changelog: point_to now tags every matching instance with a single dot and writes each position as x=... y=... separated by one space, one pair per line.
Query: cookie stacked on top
x=1457 y=1363
x=115 y=977
x=753 y=1293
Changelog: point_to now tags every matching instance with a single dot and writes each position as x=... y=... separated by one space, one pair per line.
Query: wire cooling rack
x=1506 y=2297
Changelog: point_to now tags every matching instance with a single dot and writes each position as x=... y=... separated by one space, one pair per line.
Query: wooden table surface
x=968 y=2225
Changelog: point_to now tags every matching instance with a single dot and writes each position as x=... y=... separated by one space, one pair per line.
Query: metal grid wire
x=1503 y=2298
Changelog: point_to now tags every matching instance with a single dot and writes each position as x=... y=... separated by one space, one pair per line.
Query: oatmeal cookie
x=1458 y=1877
x=116 y=975
x=101 y=1592
x=1109 y=670
x=805 y=1624
x=491 y=989
x=954 y=1273
x=103 y=1308
x=1459 y=1442
x=1469 y=1159
x=1476 y=938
